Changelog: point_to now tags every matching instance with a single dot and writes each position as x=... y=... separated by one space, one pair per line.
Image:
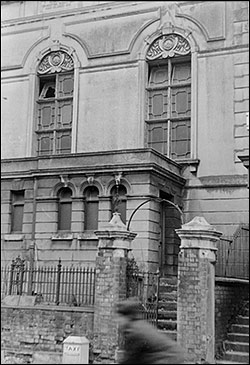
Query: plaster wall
x=108 y=110
x=14 y=116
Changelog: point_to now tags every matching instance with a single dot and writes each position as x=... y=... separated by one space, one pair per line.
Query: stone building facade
x=136 y=106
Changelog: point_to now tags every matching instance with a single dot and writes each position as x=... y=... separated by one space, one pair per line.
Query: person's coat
x=146 y=345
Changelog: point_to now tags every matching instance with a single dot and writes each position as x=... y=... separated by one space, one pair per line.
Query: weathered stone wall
x=112 y=71
x=78 y=246
x=30 y=331
x=229 y=296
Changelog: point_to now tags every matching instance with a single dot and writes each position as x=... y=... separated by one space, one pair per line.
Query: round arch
x=180 y=25
x=182 y=33
x=45 y=45
x=123 y=182
x=60 y=185
x=86 y=184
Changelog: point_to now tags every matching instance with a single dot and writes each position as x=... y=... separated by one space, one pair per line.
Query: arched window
x=169 y=96
x=55 y=103
x=91 y=208
x=64 y=209
x=119 y=201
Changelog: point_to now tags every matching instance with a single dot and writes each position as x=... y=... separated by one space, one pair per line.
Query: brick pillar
x=111 y=263
x=196 y=297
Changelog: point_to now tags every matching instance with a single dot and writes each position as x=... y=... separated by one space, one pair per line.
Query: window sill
x=87 y=235
x=14 y=237
x=192 y=162
x=88 y=241
x=62 y=237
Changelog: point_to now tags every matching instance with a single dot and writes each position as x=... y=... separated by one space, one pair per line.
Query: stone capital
x=115 y=235
x=198 y=233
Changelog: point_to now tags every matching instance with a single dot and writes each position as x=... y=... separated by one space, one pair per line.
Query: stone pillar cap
x=198 y=228
x=198 y=223
x=115 y=229
x=116 y=224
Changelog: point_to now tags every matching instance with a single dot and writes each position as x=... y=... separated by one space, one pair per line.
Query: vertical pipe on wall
x=194 y=105
x=31 y=115
x=142 y=139
x=75 y=110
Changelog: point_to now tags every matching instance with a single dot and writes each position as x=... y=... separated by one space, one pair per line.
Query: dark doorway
x=170 y=220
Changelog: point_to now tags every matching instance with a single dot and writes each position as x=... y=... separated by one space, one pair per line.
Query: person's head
x=128 y=310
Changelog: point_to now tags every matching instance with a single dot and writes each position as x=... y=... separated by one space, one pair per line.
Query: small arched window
x=55 y=103
x=169 y=96
x=119 y=201
x=64 y=209
x=91 y=208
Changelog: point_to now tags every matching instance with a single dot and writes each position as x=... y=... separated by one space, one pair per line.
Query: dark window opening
x=17 y=209
x=47 y=87
x=91 y=208
x=64 y=209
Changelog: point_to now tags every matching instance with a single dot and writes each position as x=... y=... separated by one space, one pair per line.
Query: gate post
x=111 y=285
x=196 y=285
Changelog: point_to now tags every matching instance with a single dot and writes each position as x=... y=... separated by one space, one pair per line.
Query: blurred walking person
x=144 y=344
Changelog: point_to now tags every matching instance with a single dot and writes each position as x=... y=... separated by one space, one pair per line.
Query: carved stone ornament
x=90 y=180
x=57 y=61
x=168 y=46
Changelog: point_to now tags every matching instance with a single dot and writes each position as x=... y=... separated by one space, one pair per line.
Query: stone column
x=111 y=286
x=196 y=297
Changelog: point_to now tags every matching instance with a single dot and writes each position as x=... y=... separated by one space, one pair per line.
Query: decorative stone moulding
x=169 y=45
x=57 y=61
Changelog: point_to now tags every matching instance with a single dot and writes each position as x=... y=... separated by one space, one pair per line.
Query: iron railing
x=233 y=255
x=144 y=286
x=58 y=284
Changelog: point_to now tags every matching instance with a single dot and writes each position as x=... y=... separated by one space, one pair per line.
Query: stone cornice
x=133 y=161
x=112 y=9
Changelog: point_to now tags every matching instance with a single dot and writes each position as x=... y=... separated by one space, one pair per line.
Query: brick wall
x=229 y=296
x=29 y=331
x=110 y=289
x=192 y=289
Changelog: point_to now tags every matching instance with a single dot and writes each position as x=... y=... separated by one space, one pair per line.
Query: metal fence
x=58 y=284
x=144 y=286
x=233 y=255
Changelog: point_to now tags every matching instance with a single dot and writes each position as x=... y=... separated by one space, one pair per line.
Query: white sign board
x=75 y=350
x=72 y=349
